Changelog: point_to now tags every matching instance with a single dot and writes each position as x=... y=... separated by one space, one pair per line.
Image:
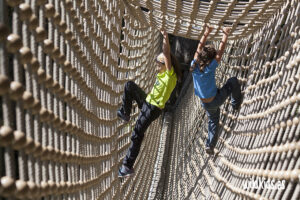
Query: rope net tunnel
x=63 y=67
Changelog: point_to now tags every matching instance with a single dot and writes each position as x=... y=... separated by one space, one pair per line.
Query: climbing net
x=258 y=148
x=63 y=67
x=186 y=17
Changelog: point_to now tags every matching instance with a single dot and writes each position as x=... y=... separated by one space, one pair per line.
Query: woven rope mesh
x=63 y=66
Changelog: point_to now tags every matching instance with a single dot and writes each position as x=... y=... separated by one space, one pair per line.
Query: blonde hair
x=174 y=62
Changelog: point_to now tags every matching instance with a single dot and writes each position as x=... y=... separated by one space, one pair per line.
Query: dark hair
x=176 y=66
x=205 y=56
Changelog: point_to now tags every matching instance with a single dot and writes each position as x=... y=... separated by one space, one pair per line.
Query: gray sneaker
x=125 y=171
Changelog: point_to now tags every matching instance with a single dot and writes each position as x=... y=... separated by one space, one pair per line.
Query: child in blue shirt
x=203 y=68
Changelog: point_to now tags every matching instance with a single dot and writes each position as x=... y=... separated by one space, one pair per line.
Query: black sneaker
x=209 y=150
x=238 y=105
x=123 y=116
x=125 y=171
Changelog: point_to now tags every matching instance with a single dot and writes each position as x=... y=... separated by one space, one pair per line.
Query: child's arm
x=166 y=50
x=226 y=31
x=201 y=44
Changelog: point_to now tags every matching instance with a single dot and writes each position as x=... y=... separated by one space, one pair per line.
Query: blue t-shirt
x=205 y=82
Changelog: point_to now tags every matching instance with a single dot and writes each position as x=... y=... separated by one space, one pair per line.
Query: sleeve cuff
x=192 y=62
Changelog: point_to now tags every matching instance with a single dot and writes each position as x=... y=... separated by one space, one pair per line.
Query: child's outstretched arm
x=226 y=31
x=166 y=50
x=201 y=44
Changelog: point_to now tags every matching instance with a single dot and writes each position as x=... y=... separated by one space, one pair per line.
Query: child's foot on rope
x=237 y=106
x=122 y=115
x=125 y=171
x=209 y=150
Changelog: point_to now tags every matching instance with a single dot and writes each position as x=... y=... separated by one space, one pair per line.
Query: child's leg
x=148 y=114
x=233 y=88
x=213 y=127
x=132 y=92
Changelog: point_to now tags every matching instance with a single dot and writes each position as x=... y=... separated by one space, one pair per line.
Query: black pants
x=148 y=114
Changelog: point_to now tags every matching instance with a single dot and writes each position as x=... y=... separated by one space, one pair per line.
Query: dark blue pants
x=231 y=88
x=148 y=114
